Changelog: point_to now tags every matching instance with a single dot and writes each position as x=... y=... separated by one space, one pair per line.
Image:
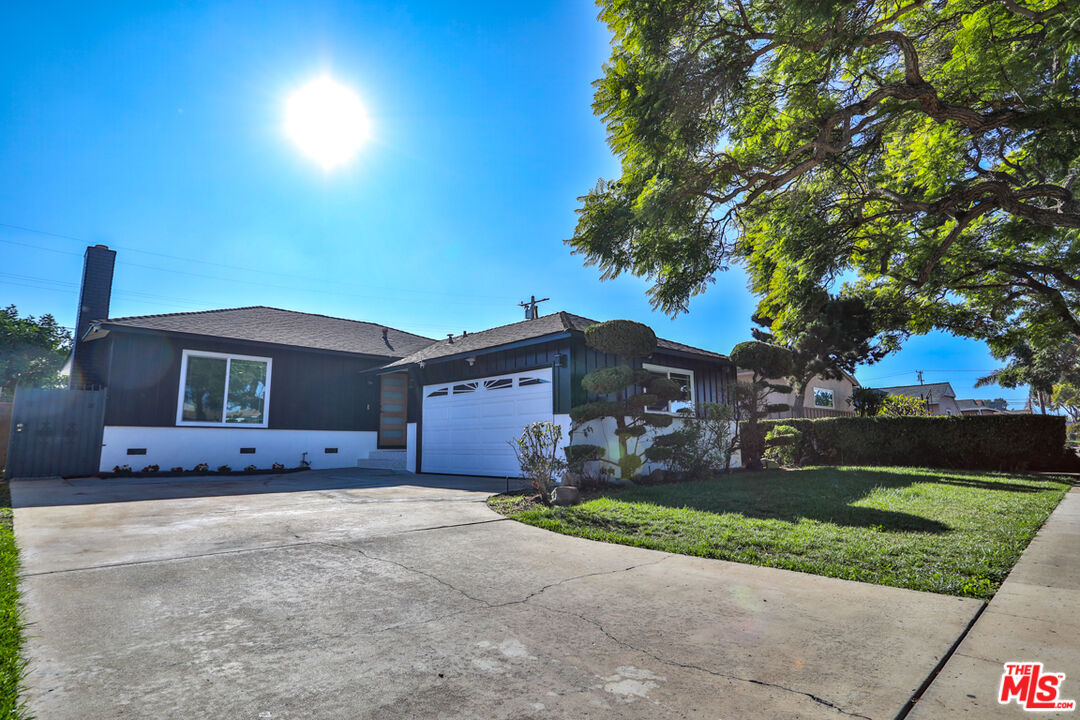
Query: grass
x=12 y=664
x=950 y=532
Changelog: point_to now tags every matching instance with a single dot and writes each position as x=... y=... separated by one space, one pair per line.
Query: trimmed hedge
x=981 y=442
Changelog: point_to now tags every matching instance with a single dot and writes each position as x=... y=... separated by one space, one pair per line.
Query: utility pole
x=918 y=374
x=531 y=311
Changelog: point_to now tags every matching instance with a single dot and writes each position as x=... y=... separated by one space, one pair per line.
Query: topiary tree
x=866 y=401
x=628 y=340
x=752 y=398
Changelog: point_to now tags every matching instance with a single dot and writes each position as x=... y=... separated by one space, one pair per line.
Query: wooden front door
x=393 y=406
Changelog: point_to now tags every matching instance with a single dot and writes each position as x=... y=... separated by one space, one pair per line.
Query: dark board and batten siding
x=308 y=390
x=714 y=381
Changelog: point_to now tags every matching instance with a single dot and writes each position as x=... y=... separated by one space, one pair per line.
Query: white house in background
x=824 y=397
x=940 y=397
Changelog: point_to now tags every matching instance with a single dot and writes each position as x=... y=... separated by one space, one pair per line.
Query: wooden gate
x=55 y=432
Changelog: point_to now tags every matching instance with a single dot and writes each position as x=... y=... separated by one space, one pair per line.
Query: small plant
x=122 y=469
x=277 y=467
x=177 y=469
x=224 y=469
x=201 y=468
x=151 y=469
x=537 y=452
x=251 y=468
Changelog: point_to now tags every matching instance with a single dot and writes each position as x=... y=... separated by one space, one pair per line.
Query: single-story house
x=940 y=397
x=825 y=397
x=976 y=406
x=260 y=385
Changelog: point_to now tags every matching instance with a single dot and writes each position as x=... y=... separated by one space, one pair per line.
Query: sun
x=327 y=122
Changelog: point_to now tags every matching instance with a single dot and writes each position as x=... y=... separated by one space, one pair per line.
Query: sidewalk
x=1033 y=617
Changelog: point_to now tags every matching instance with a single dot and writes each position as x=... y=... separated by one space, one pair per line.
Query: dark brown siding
x=308 y=390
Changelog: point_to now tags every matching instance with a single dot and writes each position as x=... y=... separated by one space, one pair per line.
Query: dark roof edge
x=482 y=351
x=263 y=307
x=109 y=328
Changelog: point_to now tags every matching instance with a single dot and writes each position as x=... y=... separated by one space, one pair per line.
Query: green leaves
x=925 y=152
x=32 y=351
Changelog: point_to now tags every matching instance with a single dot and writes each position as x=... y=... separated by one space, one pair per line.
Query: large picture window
x=685 y=378
x=217 y=389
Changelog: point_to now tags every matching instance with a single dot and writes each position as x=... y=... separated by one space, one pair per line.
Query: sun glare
x=327 y=122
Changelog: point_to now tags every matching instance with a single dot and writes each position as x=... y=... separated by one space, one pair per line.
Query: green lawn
x=951 y=532
x=12 y=665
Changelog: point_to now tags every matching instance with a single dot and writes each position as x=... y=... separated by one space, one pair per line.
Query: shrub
x=903 y=406
x=537 y=454
x=866 y=401
x=625 y=338
x=277 y=467
x=176 y=469
x=981 y=442
x=250 y=468
x=201 y=467
x=224 y=469
x=769 y=361
x=122 y=469
x=782 y=444
x=151 y=469
x=700 y=447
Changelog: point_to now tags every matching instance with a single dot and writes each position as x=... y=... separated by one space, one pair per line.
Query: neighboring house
x=975 y=406
x=824 y=397
x=259 y=385
x=940 y=397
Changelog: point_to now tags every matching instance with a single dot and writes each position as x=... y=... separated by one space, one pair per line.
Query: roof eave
x=109 y=327
x=472 y=353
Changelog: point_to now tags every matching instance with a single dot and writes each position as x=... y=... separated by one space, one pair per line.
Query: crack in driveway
x=529 y=600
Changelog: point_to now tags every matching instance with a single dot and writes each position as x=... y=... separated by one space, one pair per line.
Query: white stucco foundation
x=186 y=447
x=602 y=432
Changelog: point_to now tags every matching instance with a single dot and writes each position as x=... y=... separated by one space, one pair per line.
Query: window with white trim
x=224 y=390
x=823 y=398
x=684 y=377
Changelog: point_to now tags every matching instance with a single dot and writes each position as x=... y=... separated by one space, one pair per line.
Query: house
x=825 y=397
x=940 y=397
x=260 y=385
x=976 y=406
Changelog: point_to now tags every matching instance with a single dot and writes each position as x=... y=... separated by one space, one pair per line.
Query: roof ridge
x=269 y=307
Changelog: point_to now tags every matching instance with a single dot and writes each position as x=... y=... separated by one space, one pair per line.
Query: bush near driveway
x=949 y=532
x=12 y=666
x=982 y=442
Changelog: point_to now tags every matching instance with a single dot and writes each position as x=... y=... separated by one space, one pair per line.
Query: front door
x=393 y=404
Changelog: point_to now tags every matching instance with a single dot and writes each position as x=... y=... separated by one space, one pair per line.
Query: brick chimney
x=93 y=305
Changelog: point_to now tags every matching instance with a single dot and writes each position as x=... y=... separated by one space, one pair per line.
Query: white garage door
x=467 y=425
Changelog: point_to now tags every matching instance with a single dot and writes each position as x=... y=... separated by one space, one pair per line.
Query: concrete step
x=383 y=460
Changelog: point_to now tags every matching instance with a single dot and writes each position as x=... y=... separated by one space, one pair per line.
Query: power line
x=292 y=276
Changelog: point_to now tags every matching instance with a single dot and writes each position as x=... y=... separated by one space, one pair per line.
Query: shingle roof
x=974 y=404
x=282 y=327
x=552 y=324
x=936 y=390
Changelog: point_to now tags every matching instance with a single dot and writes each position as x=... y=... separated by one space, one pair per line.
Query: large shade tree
x=927 y=152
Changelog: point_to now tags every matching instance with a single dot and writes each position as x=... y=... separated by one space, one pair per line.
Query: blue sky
x=157 y=130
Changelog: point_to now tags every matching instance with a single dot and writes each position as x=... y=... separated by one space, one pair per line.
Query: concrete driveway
x=357 y=594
